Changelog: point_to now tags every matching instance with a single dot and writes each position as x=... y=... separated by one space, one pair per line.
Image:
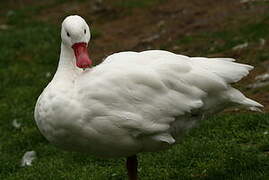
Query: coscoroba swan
x=132 y=102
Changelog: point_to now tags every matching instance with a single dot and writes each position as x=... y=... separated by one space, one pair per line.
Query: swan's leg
x=131 y=165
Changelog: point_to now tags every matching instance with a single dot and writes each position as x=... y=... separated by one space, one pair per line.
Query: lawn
x=226 y=146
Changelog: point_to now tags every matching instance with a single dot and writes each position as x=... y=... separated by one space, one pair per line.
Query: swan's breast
x=57 y=115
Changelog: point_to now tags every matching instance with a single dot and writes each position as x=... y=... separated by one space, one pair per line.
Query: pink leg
x=131 y=165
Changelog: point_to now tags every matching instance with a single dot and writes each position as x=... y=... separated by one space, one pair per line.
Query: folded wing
x=153 y=94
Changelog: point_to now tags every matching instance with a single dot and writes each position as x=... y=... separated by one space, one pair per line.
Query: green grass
x=223 y=147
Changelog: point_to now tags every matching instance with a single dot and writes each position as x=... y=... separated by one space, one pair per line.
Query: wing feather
x=147 y=92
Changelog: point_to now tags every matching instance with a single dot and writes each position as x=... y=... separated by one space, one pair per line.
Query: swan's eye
x=84 y=31
x=68 y=34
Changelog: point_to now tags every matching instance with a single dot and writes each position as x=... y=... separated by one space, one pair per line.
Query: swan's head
x=76 y=35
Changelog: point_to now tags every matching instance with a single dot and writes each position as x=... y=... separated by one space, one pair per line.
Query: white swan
x=132 y=102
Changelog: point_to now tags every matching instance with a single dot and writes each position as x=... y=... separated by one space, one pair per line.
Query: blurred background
x=29 y=52
x=226 y=28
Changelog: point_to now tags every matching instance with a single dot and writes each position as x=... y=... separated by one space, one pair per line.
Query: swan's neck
x=67 y=71
x=66 y=66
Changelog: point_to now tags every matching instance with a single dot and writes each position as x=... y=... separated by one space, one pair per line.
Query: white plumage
x=133 y=102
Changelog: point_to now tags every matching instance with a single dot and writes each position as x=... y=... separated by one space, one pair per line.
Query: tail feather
x=251 y=103
x=237 y=97
x=225 y=68
x=230 y=72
